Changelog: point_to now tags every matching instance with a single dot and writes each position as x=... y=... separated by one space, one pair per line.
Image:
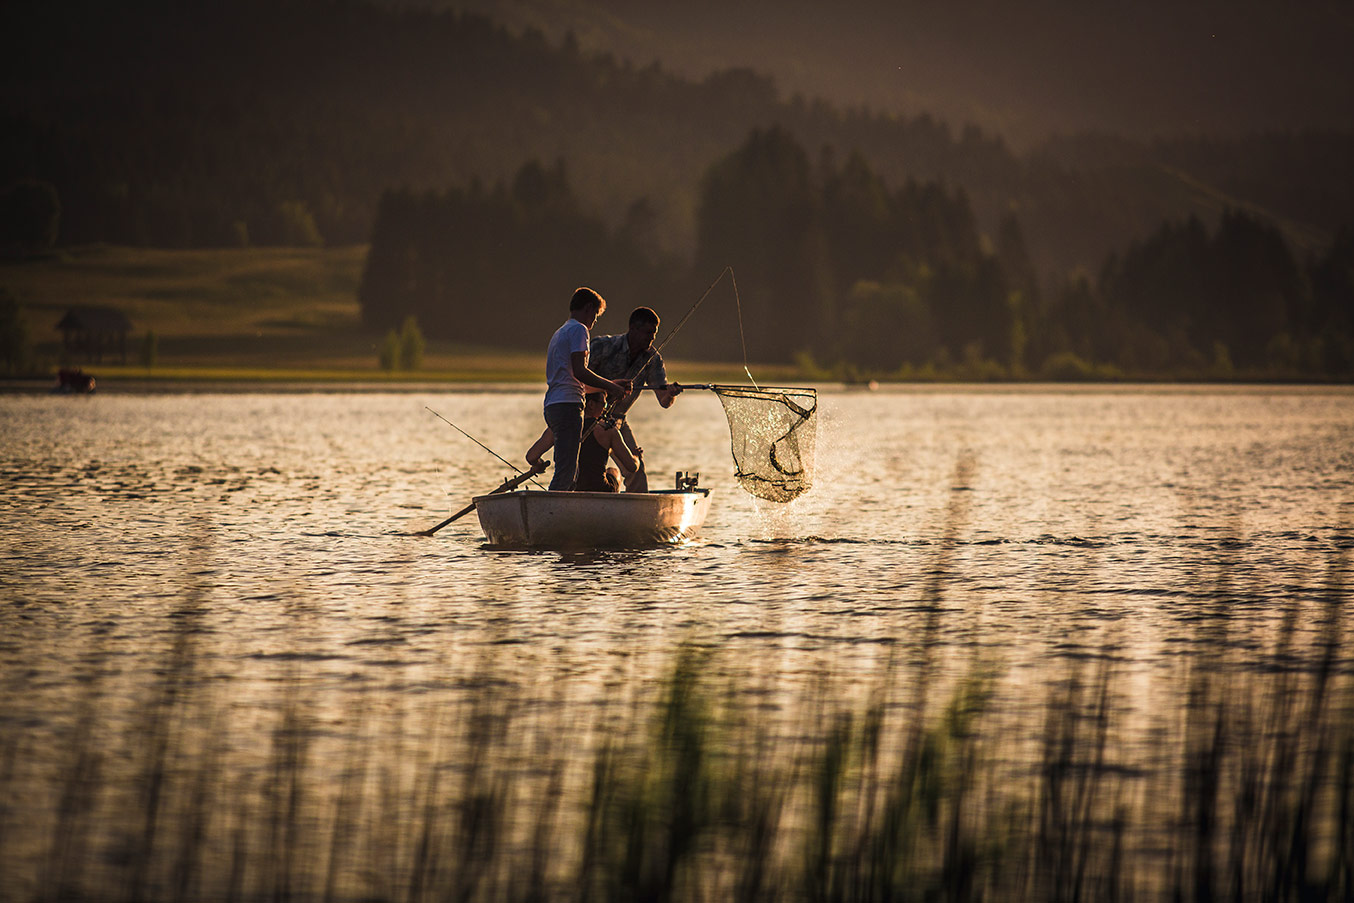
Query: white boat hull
x=606 y=520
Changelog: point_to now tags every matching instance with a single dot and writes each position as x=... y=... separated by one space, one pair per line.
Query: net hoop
x=771 y=434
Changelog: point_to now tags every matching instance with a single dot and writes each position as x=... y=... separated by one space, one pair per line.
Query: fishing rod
x=514 y=467
x=687 y=316
x=742 y=337
x=733 y=280
x=654 y=350
x=507 y=485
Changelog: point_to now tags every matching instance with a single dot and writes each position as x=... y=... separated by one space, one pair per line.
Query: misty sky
x=1024 y=69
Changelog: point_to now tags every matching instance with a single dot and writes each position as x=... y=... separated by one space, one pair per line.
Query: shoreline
x=304 y=384
x=313 y=382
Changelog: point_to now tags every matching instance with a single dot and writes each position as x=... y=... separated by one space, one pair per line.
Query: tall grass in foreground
x=707 y=785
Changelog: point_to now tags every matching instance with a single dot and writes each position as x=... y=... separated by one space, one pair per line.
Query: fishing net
x=772 y=432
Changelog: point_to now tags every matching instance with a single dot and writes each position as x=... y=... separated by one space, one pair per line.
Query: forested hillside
x=840 y=267
x=489 y=168
x=198 y=125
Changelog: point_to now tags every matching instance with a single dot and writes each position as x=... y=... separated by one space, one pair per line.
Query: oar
x=510 y=483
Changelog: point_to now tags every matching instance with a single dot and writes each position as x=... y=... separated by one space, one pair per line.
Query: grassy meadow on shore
x=248 y=315
x=252 y=314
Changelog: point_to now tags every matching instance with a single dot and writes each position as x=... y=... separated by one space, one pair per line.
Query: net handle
x=721 y=387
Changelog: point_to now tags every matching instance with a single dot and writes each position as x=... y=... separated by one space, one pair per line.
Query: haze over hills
x=183 y=125
x=1026 y=70
x=458 y=147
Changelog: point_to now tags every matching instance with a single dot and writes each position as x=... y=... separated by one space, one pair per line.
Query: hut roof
x=95 y=319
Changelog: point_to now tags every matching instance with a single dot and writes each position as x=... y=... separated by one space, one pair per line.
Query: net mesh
x=772 y=433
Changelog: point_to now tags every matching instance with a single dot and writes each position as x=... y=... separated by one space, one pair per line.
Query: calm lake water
x=263 y=543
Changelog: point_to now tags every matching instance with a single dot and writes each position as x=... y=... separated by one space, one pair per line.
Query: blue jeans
x=566 y=422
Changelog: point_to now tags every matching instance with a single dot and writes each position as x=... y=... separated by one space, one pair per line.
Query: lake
x=1021 y=640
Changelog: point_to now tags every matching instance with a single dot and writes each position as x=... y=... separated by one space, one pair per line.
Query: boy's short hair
x=645 y=315
x=584 y=298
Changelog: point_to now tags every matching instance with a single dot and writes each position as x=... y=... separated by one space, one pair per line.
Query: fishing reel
x=687 y=480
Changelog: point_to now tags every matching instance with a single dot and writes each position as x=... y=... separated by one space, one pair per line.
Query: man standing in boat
x=567 y=372
x=631 y=357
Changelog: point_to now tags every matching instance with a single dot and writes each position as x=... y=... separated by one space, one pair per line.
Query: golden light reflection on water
x=1046 y=640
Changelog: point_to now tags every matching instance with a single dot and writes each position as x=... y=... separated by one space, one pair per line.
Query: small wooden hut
x=88 y=332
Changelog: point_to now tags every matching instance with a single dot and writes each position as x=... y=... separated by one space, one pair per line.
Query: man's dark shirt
x=609 y=356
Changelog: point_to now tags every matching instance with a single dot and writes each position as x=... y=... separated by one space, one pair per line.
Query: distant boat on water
x=73 y=382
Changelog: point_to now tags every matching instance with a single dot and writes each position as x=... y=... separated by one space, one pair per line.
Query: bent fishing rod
x=654 y=350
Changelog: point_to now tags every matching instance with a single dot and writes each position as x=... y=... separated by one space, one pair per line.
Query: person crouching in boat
x=602 y=440
x=566 y=371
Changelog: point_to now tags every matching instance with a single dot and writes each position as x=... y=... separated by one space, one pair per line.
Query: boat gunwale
x=573 y=494
x=642 y=505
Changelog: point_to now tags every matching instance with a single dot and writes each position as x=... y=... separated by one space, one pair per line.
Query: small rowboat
x=532 y=519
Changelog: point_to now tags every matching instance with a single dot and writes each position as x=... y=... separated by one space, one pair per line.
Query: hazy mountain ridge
x=161 y=124
x=1148 y=70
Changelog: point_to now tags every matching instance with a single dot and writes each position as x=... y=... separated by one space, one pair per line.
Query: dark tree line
x=820 y=253
x=495 y=266
x=836 y=265
x=259 y=122
x=1194 y=301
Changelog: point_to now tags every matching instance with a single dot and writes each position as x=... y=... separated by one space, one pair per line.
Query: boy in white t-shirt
x=566 y=372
